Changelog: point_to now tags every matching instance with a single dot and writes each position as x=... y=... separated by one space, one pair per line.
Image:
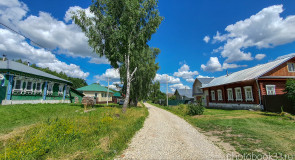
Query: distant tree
x=172 y=97
x=146 y=72
x=119 y=30
x=77 y=82
x=155 y=93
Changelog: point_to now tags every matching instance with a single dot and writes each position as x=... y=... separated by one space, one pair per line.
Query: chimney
x=226 y=72
x=29 y=64
x=4 y=57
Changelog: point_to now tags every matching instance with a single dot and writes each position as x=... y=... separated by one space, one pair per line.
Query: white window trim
x=220 y=98
x=61 y=86
x=38 y=91
x=30 y=91
x=237 y=94
x=288 y=67
x=266 y=87
x=232 y=94
x=251 y=99
x=213 y=97
x=50 y=92
x=21 y=85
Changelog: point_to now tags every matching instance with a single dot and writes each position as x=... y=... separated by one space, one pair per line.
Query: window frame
x=293 y=65
x=20 y=90
x=267 y=90
x=219 y=97
x=252 y=96
x=30 y=90
x=50 y=85
x=213 y=98
x=232 y=94
x=236 y=93
x=61 y=89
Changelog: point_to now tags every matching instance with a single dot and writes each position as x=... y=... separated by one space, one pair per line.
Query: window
x=49 y=89
x=68 y=91
x=248 y=93
x=270 y=89
x=18 y=84
x=291 y=67
x=219 y=94
x=38 y=88
x=29 y=86
x=213 y=95
x=60 y=89
x=230 y=96
x=238 y=91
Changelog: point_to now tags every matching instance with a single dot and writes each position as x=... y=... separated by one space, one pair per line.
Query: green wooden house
x=98 y=92
x=21 y=84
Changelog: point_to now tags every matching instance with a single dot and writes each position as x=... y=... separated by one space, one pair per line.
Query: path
x=166 y=136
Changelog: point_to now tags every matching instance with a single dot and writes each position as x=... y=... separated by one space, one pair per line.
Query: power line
x=40 y=46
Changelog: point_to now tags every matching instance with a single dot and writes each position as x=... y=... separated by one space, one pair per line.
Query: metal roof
x=185 y=92
x=205 y=80
x=15 y=66
x=94 y=87
x=248 y=74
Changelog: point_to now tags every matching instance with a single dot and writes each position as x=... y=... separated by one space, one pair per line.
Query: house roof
x=185 y=92
x=94 y=87
x=15 y=66
x=205 y=80
x=117 y=94
x=248 y=74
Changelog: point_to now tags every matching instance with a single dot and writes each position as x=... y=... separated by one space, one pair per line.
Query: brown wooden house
x=246 y=89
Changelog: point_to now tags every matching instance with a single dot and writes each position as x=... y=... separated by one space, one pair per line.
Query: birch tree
x=119 y=29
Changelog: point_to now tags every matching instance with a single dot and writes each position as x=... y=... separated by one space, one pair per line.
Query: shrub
x=195 y=109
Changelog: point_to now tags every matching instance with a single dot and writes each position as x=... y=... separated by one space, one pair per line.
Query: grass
x=64 y=131
x=248 y=131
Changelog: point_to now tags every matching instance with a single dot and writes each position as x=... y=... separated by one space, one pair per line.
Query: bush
x=195 y=109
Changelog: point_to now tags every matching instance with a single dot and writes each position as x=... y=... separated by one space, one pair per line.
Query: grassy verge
x=64 y=131
x=248 y=131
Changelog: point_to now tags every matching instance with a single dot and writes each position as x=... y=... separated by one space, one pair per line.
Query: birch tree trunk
x=126 y=102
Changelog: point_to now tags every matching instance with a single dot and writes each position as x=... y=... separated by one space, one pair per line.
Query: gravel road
x=166 y=136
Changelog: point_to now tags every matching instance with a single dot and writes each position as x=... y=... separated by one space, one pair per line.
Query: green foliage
x=195 y=109
x=77 y=82
x=155 y=93
x=99 y=134
x=172 y=97
x=290 y=89
x=144 y=76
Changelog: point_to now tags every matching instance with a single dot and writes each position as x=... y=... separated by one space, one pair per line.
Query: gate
x=273 y=103
x=2 y=93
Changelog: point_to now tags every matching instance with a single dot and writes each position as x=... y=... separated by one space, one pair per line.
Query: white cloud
x=16 y=47
x=260 y=56
x=190 y=80
x=112 y=73
x=178 y=86
x=162 y=78
x=200 y=76
x=113 y=87
x=212 y=65
x=70 y=70
x=265 y=29
x=101 y=60
x=185 y=73
x=206 y=39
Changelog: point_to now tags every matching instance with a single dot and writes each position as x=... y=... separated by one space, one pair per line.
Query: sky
x=197 y=38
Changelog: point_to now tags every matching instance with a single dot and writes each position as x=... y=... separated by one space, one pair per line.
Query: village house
x=23 y=84
x=249 y=88
x=98 y=92
x=183 y=94
x=198 y=93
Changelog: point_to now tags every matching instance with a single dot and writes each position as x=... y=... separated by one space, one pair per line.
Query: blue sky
x=263 y=33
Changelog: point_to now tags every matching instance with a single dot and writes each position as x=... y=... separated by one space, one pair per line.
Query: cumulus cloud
x=214 y=65
x=265 y=29
x=200 y=76
x=185 y=73
x=178 y=86
x=163 y=78
x=112 y=74
x=206 y=39
x=15 y=46
x=260 y=56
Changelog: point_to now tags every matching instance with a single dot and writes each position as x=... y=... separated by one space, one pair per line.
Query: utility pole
x=108 y=92
x=167 y=89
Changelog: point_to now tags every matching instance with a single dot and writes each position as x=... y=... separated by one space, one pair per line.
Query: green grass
x=64 y=131
x=247 y=131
